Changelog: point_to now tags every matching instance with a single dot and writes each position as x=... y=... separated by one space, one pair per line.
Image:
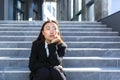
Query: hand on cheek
x=57 y=40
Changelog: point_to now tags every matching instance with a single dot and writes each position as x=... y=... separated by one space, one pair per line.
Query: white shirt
x=47 y=50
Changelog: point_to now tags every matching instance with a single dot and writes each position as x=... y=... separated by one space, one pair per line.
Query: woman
x=46 y=53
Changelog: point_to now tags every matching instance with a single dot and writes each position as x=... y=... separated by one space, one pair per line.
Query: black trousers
x=52 y=73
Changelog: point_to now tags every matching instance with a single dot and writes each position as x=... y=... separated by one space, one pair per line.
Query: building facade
x=21 y=9
x=77 y=10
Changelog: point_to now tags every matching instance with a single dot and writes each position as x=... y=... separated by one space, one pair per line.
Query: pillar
x=84 y=11
x=1 y=9
x=6 y=7
x=101 y=9
x=40 y=2
x=75 y=9
x=60 y=10
x=63 y=10
x=69 y=10
x=30 y=10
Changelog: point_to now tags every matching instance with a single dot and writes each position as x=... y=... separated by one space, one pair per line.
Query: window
x=19 y=10
x=35 y=14
x=35 y=10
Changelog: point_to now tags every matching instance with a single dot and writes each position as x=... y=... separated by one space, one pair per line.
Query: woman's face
x=50 y=31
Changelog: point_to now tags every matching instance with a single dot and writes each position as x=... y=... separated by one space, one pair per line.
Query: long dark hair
x=41 y=36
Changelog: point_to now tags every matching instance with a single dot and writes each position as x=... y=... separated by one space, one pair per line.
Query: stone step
x=92 y=52
x=70 y=44
x=65 y=33
x=76 y=62
x=15 y=52
x=93 y=44
x=61 y=26
x=91 y=62
x=93 y=73
x=92 y=38
x=61 y=29
x=71 y=52
x=41 y=22
x=66 y=38
x=71 y=73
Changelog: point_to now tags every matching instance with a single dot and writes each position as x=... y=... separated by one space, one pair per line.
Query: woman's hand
x=59 y=67
x=57 y=40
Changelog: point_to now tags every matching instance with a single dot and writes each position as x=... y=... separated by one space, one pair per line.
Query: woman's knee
x=58 y=74
x=41 y=74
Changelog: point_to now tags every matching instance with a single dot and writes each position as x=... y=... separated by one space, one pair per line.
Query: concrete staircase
x=93 y=50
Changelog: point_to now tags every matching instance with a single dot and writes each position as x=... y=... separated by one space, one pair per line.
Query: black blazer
x=38 y=57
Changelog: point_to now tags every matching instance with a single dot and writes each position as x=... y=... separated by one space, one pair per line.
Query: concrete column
x=40 y=9
x=69 y=10
x=30 y=10
x=75 y=8
x=65 y=10
x=101 y=9
x=26 y=10
x=1 y=9
x=58 y=10
x=84 y=11
x=6 y=7
x=62 y=10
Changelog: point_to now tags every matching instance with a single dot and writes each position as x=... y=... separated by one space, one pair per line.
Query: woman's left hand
x=60 y=68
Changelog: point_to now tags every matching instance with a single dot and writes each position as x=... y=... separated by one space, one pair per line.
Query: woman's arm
x=33 y=60
x=56 y=52
x=62 y=49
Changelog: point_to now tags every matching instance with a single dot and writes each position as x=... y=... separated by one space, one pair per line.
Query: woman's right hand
x=57 y=39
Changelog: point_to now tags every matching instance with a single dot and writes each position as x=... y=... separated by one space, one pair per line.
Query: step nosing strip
x=68 y=70
x=99 y=32
x=14 y=71
x=67 y=49
x=59 y=24
x=15 y=48
x=59 y=28
x=89 y=70
x=14 y=42
x=66 y=58
x=91 y=58
x=66 y=36
x=93 y=49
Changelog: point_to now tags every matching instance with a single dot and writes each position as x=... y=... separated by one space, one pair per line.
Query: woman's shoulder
x=37 y=43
